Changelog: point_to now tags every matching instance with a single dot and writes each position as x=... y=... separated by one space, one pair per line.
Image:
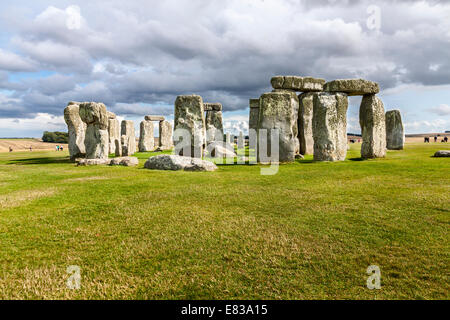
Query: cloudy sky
x=137 y=56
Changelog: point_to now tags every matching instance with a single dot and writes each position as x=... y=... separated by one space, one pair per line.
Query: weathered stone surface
x=254 y=114
x=228 y=138
x=96 y=139
x=114 y=134
x=373 y=127
x=241 y=140
x=295 y=83
x=154 y=118
x=279 y=110
x=77 y=129
x=146 y=136
x=214 y=125
x=111 y=115
x=352 y=87
x=118 y=143
x=395 y=133
x=165 y=135
x=189 y=115
x=93 y=162
x=330 y=126
x=124 y=161
x=212 y=106
x=442 y=154
x=128 y=138
x=305 y=123
x=174 y=162
x=220 y=149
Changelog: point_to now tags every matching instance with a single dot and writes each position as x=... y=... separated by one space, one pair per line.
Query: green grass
x=309 y=232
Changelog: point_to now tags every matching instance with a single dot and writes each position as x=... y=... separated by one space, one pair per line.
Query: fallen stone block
x=174 y=162
x=93 y=162
x=124 y=161
x=442 y=154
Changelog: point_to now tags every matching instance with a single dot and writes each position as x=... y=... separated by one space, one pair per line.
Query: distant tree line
x=56 y=137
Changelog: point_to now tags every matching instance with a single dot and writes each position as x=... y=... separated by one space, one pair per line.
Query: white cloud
x=70 y=17
x=434 y=126
x=442 y=110
x=43 y=122
x=74 y=18
x=13 y=62
x=235 y=127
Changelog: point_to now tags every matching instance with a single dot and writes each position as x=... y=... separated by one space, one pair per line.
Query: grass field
x=309 y=232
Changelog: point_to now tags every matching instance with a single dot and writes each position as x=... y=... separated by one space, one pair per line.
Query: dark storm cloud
x=131 y=53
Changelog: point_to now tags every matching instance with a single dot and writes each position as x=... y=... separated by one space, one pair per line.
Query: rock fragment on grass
x=174 y=162
x=442 y=154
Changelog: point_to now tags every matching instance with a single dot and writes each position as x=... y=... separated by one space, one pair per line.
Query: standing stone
x=114 y=134
x=373 y=127
x=128 y=138
x=165 y=135
x=241 y=140
x=77 y=129
x=96 y=139
x=330 y=126
x=214 y=122
x=279 y=110
x=146 y=136
x=228 y=138
x=189 y=115
x=254 y=114
x=305 y=120
x=395 y=133
x=118 y=144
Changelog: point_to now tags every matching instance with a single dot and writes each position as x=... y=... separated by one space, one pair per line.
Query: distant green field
x=308 y=232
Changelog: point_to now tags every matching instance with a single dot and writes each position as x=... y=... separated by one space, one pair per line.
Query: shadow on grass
x=356 y=159
x=303 y=161
x=46 y=160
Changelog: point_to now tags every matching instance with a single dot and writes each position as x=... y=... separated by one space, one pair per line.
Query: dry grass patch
x=86 y=179
x=15 y=199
